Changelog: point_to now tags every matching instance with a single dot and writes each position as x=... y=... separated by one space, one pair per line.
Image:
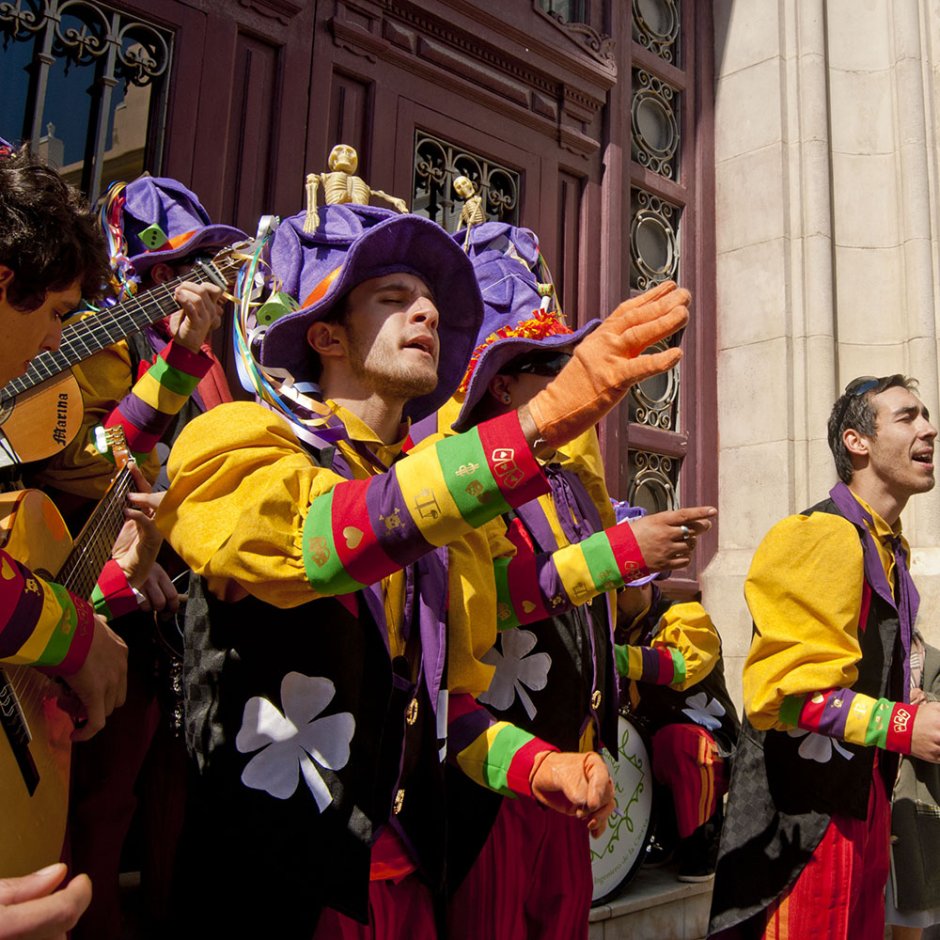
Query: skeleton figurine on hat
x=342 y=187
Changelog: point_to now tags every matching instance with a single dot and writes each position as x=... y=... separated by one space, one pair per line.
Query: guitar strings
x=88 y=336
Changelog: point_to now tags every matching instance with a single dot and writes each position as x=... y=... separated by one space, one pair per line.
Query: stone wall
x=828 y=242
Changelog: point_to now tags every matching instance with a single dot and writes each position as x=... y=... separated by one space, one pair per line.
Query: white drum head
x=618 y=853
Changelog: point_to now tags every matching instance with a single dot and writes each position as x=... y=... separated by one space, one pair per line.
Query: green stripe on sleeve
x=171 y=378
x=506 y=616
x=877 y=731
x=790 y=709
x=469 y=479
x=509 y=739
x=678 y=666
x=601 y=562
x=322 y=563
x=61 y=637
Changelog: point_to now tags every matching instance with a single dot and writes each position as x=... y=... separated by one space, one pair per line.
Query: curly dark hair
x=49 y=237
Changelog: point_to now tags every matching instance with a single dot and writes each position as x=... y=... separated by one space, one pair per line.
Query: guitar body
x=41 y=421
x=35 y=740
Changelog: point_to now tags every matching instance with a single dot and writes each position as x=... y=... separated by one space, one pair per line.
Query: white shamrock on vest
x=818 y=747
x=295 y=740
x=704 y=712
x=516 y=671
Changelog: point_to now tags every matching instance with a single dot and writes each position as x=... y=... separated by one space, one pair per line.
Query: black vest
x=581 y=689
x=283 y=853
x=780 y=803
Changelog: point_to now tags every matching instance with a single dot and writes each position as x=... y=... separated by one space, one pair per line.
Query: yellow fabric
x=104 y=379
x=686 y=627
x=241 y=486
x=804 y=592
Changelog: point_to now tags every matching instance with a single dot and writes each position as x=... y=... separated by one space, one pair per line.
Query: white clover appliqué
x=704 y=712
x=516 y=671
x=818 y=747
x=295 y=739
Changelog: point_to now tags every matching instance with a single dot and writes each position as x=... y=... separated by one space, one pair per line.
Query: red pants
x=839 y=895
x=397 y=911
x=686 y=759
x=532 y=879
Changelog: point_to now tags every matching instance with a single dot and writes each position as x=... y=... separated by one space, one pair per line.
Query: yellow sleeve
x=686 y=627
x=804 y=592
x=471 y=629
x=104 y=380
x=240 y=488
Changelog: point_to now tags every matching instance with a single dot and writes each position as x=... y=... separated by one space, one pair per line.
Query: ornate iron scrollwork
x=653 y=481
x=654 y=249
x=438 y=163
x=82 y=33
x=656 y=27
x=655 y=130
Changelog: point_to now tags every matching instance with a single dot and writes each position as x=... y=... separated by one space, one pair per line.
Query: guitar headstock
x=112 y=439
x=227 y=262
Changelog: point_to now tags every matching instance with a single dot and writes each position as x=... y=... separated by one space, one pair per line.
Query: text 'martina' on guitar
x=41 y=411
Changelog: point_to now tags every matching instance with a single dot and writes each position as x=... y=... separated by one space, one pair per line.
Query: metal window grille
x=438 y=163
x=66 y=67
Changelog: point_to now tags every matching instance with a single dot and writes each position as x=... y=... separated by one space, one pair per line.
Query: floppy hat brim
x=497 y=355
x=213 y=236
x=402 y=243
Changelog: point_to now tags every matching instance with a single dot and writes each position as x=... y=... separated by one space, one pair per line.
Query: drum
x=618 y=853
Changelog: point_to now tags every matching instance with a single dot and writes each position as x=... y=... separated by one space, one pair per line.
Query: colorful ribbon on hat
x=313 y=422
x=112 y=226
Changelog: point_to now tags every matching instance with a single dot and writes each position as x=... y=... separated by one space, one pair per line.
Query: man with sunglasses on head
x=804 y=850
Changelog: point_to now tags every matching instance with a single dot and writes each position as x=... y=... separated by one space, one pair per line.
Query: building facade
x=778 y=157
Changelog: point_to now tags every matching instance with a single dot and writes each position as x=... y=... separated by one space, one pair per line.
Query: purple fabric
x=360 y=243
x=426 y=595
x=405 y=543
x=505 y=261
x=908 y=600
x=151 y=200
x=505 y=238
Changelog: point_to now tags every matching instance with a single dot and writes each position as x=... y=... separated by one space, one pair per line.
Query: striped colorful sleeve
x=532 y=586
x=113 y=595
x=852 y=717
x=157 y=397
x=41 y=623
x=361 y=531
x=657 y=665
x=495 y=754
x=684 y=648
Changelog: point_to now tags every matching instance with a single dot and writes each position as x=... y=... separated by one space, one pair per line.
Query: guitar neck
x=92 y=334
x=92 y=548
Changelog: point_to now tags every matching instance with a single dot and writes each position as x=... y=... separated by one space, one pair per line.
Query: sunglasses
x=547 y=364
x=855 y=389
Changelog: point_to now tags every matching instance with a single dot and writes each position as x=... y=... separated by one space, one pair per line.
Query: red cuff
x=178 y=356
x=116 y=589
x=901 y=728
x=81 y=640
x=519 y=775
x=630 y=561
x=517 y=473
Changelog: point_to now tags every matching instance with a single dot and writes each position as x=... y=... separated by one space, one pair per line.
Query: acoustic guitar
x=35 y=742
x=41 y=411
